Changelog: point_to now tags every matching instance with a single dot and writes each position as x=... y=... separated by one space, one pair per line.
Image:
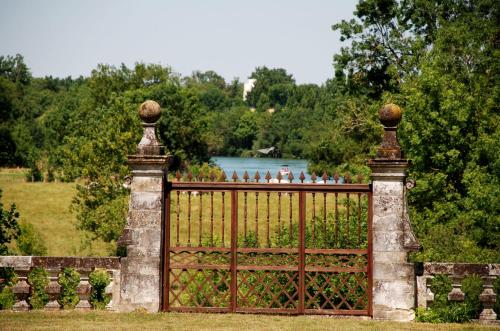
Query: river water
x=240 y=164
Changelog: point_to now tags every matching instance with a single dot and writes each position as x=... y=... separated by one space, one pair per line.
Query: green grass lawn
x=46 y=206
x=38 y=320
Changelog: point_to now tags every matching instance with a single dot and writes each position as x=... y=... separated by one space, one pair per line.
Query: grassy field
x=46 y=206
x=38 y=320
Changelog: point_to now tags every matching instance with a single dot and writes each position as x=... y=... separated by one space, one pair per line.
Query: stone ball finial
x=149 y=111
x=390 y=115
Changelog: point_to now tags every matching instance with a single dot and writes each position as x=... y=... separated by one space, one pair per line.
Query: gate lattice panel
x=255 y=247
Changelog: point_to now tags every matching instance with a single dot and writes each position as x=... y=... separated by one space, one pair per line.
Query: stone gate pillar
x=394 y=282
x=141 y=268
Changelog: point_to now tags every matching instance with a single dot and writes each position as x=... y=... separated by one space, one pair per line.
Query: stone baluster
x=53 y=289
x=21 y=291
x=109 y=291
x=488 y=298
x=456 y=293
x=83 y=291
x=429 y=296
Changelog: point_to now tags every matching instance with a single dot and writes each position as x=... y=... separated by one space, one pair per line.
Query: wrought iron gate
x=294 y=248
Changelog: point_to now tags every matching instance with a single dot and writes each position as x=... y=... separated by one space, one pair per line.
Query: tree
x=9 y=226
x=272 y=88
x=452 y=135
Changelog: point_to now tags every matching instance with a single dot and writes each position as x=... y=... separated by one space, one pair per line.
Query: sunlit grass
x=47 y=207
x=95 y=320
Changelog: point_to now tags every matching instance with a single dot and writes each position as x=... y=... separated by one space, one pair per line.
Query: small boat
x=284 y=171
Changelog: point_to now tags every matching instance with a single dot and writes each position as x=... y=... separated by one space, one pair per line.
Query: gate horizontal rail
x=282 y=256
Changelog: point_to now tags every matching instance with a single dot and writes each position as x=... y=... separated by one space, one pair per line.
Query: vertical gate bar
x=347 y=240
x=234 y=242
x=290 y=195
x=166 y=251
x=370 y=254
x=302 y=251
x=212 y=218
x=313 y=239
x=245 y=215
x=267 y=221
x=200 y=217
x=336 y=220
x=189 y=219
x=359 y=219
x=178 y=210
x=324 y=216
x=257 y=219
x=222 y=217
x=279 y=217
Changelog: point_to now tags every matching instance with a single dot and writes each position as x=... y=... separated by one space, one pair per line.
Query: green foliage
x=38 y=278
x=272 y=88
x=439 y=61
x=99 y=279
x=69 y=279
x=443 y=311
x=29 y=241
x=451 y=133
x=7 y=297
x=9 y=226
x=34 y=174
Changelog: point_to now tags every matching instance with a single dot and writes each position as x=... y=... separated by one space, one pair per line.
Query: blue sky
x=69 y=37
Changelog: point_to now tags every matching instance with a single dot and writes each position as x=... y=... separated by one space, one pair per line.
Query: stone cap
x=390 y=115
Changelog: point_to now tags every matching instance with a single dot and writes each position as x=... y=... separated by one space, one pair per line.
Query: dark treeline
x=437 y=59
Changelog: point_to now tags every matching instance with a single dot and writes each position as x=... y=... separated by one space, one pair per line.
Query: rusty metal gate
x=264 y=247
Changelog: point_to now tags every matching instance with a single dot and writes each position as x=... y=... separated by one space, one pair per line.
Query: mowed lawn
x=38 y=320
x=47 y=207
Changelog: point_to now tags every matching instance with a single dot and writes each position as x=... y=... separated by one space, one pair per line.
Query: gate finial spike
x=234 y=176
x=190 y=176
x=201 y=175
x=347 y=178
x=268 y=176
x=245 y=176
x=325 y=176
x=302 y=177
x=336 y=177
x=290 y=176
x=223 y=176
x=212 y=176
x=178 y=175
x=313 y=177
x=279 y=177
x=257 y=176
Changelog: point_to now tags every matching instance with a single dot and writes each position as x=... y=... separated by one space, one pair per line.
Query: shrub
x=69 y=279
x=34 y=175
x=29 y=241
x=443 y=311
x=38 y=279
x=99 y=279
x=7 y=298
x=9 y=226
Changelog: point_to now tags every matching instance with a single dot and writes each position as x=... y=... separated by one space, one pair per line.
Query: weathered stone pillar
x=394 y=282
x=141 y=268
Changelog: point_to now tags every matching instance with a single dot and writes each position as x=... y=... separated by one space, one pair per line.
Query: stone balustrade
x=22 y=265
x=457 y=272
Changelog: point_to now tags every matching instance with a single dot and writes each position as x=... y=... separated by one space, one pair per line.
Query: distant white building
x=247 y=87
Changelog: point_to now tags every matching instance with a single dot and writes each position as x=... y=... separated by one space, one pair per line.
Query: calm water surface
x=240 y=164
